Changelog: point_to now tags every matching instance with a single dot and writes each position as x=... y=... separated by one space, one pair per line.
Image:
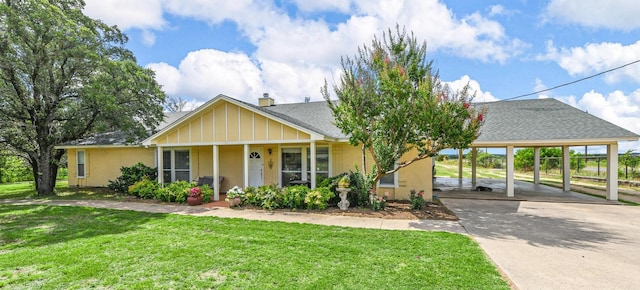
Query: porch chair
x=208 y=180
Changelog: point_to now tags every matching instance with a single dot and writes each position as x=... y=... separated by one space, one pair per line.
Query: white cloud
x=499 y=10
x=327 y=5
x=615 y=107
x=474 y=86
x=203 y=74
x=597 y=57
x=540 y=86
x=145 y=15
x=610 y=14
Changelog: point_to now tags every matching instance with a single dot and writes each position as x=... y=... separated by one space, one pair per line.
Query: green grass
x=26 y=190
x=50 y=247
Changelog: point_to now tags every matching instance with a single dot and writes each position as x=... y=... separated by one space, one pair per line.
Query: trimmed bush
x=293 y=196
x=318 y=198
x=145 y=188
x=131 y=175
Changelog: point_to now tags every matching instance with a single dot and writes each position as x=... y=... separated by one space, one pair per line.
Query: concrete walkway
x=225 y=212
x=557 y=245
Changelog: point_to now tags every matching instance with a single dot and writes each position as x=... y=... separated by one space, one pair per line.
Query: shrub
x=360 y=186
x=417 y=199
x=145 y=188
x=293 y=196
x=378 y=202
x=131 y=175
x=175 y=192
x=270 y=195
x=318 y=198
x=206 y=192
x=251 y=197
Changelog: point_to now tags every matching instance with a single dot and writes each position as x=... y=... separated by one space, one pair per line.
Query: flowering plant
x=195 y=192
x=417 y=199
x=234 y=192
x=378 y=202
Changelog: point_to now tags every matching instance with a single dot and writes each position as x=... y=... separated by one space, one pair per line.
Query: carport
x=542 y=123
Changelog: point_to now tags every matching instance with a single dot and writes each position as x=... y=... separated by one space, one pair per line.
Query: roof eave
x=553 y=142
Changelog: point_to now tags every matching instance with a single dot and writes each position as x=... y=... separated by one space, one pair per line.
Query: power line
x=573 y=82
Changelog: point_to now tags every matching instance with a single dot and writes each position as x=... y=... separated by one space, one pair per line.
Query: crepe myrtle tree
x=391 y=102
x=63 y=77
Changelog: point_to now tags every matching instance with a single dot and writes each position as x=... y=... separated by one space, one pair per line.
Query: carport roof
x=545 y=122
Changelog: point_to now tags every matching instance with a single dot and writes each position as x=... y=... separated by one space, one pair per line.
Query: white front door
x=256 y=166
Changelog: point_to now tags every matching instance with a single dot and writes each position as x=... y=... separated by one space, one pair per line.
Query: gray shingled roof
x=521 y=121
x=315 y=116
x=118 y=137
x=544 y=119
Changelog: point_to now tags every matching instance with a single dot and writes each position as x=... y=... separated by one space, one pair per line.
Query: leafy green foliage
x=378 y=202
x=391 y=102
x=417 y=199
x=175 y=191
x=145 y=188
x=130 y=175
x=293 y=196
x=13 y=169
x=551 y=158
x=66 y=77
x=318 y=198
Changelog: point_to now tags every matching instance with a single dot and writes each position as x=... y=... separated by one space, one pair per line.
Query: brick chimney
x=266 y=101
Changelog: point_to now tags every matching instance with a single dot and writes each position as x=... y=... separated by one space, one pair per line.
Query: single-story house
x=268 y=143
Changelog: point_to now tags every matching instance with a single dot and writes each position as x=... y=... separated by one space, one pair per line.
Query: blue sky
x=287 y=48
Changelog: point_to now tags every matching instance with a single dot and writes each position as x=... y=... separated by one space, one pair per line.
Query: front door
x=256 y=166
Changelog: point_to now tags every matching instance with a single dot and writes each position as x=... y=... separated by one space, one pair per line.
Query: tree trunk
x=45 y=171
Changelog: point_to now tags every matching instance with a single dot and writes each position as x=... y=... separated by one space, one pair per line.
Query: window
x=291 y=165
x=296 y=164
x=389 y=180
x=322 y=163
x=176 y=165
x=80 y=164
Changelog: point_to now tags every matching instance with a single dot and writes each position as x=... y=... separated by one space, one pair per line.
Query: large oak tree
x=64 y=76
x=391 y=102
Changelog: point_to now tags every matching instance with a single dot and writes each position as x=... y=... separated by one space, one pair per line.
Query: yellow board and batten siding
x=228 y=123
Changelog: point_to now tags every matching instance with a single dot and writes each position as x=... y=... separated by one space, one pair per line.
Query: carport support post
x=216 y=173
x=460 y=164
x=474 y=155
x=612 y=171
x=566 y=169
x=510 y=180
x=536 y=165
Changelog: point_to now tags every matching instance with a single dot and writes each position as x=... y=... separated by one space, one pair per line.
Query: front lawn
x=55 y=247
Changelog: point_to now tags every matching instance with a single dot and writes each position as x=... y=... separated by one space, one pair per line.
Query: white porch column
x=160 y=155
x=612 y=171
x=312 y=158
x=245 y=166
x=566 y=169
x=536 y=165
x=474 y=156
x=216 y=173
x=510 y=176
x=460 y=164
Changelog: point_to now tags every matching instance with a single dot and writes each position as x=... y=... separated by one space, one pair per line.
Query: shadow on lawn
x=32 y=226
x=494 y=219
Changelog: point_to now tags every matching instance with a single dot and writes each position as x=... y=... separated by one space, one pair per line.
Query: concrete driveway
x=548 y=245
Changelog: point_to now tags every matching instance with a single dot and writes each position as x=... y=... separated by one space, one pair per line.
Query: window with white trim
x=389 y=180
x=322 y=163
x=80 y=164
x=176 y=165
x=296 y=164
